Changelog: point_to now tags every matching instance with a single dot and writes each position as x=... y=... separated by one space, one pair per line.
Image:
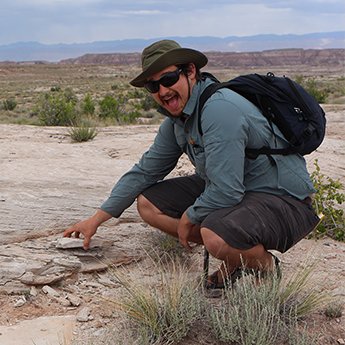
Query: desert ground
x=48 y=183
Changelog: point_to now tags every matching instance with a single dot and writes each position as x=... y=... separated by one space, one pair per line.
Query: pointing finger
x=86 y=243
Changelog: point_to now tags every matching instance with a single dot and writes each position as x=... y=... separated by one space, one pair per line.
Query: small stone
x=33 y=291
x=63 y=301
x=73 y=243
x=84 y=314
x=20 y=302
x=74 y=300
x=341 y=341
x=50 y=291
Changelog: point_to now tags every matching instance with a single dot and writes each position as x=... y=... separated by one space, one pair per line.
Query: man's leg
x=257 y=257
x=260 y=222
x=156 y=218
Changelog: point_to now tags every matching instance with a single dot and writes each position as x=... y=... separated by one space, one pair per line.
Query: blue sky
x=77 y=21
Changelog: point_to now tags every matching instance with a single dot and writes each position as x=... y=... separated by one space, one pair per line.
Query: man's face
x=175 y=97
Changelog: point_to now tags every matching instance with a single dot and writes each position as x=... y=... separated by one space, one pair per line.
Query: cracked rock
x=29 y=278
x=72 y=243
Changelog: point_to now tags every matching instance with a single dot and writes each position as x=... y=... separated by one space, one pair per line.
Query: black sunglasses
x=167 y=80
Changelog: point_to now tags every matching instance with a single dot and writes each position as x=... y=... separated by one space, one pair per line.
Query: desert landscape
x=54 y=295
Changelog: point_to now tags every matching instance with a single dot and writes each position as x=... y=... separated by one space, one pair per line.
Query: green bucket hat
x=162 y=54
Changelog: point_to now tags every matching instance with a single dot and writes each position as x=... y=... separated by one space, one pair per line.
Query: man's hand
x=87 y=227
x=184 y=230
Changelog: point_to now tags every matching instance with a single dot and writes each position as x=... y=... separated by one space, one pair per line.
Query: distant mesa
x=280 y=57
x=35 y=52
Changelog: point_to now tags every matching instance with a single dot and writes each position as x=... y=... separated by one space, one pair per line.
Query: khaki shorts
x=276 y=222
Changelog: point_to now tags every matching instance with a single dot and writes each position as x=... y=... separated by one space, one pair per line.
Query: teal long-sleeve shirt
x=229 y=123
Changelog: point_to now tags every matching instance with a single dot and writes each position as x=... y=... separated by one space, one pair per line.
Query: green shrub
x=316 y=92
x=311 y=86
x=328 y=195
x=128 y=117
x=148 y=103
x=299 y=79
x=82 y=133
x=109 y=107
x=57 y=108
x=88 y=105
x=9 y=104
x=136 y=93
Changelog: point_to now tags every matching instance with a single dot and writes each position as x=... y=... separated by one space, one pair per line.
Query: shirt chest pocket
x=181 y=141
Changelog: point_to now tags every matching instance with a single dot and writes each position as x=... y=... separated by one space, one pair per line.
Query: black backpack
x=283 y=102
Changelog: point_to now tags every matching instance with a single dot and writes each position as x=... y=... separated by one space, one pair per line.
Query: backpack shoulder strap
x=254 y=153
x=206 y=94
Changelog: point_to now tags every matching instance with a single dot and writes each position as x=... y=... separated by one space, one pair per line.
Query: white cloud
x=133 y=13
x=52 y=21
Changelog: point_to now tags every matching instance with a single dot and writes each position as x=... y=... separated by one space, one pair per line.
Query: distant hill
x=280 y=57
x=34 y=51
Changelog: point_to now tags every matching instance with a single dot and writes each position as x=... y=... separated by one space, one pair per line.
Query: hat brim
x=177 y=56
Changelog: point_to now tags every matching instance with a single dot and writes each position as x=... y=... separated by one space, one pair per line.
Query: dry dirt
x=48 y=183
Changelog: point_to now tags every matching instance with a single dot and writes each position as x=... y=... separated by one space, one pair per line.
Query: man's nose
x=163 y=90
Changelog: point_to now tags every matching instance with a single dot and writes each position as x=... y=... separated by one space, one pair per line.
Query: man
x=238 y=208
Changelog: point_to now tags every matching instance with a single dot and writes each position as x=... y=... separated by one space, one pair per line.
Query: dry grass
x=163 y=312
x=173 y=308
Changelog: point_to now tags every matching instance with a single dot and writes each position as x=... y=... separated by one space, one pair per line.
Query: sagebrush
x=326 y=201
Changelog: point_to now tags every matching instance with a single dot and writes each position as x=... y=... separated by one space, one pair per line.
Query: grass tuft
x=162 y=313
x=266 y=311
x=249 y=313
x=82 y=133
x=257 y=310
x=334 y=310
x=165 y=249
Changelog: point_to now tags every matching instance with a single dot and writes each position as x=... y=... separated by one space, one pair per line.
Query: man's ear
x=191 y=71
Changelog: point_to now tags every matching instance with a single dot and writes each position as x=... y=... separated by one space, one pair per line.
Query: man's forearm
x=100 y=217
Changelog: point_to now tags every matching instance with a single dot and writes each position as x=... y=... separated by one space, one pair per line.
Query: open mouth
x=171 y=102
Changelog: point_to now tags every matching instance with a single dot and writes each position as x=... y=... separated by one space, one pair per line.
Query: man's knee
x=214 y=244
x=143 y=205
x=222 y=250
x=145 y=208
